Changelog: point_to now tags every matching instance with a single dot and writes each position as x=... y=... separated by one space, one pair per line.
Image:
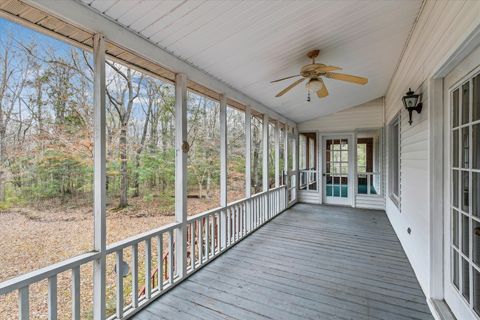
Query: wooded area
x=46 y=154
x=46 y=133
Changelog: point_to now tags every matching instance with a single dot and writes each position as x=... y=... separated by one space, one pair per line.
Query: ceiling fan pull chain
x=308 y=96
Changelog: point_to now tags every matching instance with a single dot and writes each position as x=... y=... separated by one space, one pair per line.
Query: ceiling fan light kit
x=314 y=73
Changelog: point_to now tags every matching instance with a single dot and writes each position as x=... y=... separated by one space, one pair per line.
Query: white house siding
x=440 y=29
x=365 y=116
x=414 y=184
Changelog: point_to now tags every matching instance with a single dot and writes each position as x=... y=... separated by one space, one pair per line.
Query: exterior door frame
x=350 y=201
x=451 y=296
x=439 y=167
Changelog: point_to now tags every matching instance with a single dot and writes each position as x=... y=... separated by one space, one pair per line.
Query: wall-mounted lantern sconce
x=410 y=101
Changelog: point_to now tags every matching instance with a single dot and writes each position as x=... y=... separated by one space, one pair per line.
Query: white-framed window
x=394 y=160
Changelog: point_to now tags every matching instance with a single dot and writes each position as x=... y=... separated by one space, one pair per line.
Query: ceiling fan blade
x=323 y=92
x=347 y=77
x=327 y=68
x=297 y=75
x=281 y=93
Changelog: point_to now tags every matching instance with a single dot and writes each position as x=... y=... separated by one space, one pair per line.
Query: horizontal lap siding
x=309 y=197
x=370 y=202
x=440 y=28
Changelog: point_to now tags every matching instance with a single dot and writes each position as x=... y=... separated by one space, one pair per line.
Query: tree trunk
x=140 y=150
x=123 y=167
x=2 y=155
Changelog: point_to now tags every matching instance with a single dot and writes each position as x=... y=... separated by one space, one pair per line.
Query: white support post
x=223 y=170
x=99 y=177
x=353 y=169
x=265 y=163
x=295 y=162
x=248 y=165
x=285 y=164
x=181 y=150
x=277 y=154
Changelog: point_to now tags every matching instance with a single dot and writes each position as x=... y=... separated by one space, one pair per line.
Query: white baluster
x=119 y=283
x=52 y=297
x=76 y=293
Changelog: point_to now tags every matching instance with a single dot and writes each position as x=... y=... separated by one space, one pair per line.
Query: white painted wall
x=441 y=29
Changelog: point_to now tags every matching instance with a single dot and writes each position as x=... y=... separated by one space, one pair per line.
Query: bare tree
x=122 y=91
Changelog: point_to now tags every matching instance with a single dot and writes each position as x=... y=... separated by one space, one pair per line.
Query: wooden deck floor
x=311 y=262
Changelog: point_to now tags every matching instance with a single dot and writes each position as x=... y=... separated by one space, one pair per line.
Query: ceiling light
x=314 y=84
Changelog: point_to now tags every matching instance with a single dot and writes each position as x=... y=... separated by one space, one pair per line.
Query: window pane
x=465 y=147
x=203 y=164
x=465 y=103
x=455 y=109
x=476 y=99
x=329 y=182
x=456 y=268
x=336 y=167
x=311 y=151
x=394 y=174
x=257 y=154
x=476 y=291
x=476 y=242
x=455 y=236
x=455 y=148
x=466 y=279
x=465 y=235
x=361 y=157
x=455 y=174
x=465 y=191
x=235 y=154
x=476 y=146
x=302 y=152
x=476 y=194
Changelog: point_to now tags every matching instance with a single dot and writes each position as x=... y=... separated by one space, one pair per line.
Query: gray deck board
x=311 y=262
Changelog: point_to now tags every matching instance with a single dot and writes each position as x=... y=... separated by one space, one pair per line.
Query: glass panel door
x=464 y=243
x=336 y=179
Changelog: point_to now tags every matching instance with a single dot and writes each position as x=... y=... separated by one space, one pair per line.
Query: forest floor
x=33 y=238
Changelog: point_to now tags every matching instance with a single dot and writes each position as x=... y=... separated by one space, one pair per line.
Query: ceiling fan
x=314 y=73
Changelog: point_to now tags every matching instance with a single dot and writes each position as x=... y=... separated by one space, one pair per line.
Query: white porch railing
x=372 y=182
x=308 y=177
x=207 y=239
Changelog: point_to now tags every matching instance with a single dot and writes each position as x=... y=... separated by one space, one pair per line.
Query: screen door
x=336 y=179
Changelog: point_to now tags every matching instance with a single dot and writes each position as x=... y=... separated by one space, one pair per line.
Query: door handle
x=477 y=231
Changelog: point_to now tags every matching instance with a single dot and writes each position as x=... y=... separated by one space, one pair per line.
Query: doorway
x=337 y=169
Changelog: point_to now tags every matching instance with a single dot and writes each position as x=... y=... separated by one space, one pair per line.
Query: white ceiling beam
x=89 y=19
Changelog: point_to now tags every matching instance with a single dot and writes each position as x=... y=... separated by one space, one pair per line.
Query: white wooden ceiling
x=247 y=44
